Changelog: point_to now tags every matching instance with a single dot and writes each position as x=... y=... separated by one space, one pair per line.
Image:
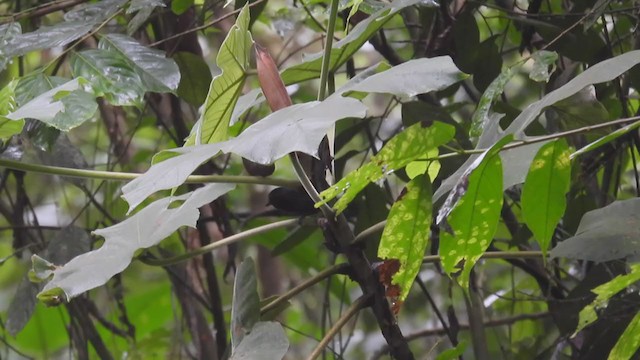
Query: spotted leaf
x=406 y=235
x=471 y=219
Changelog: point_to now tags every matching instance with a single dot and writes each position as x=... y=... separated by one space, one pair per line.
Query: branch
x=335 y=269
x=224 y=242
x=441 y=331
x=357 y=305
x=202 y=27
x=538 y=139
x=123 y=176
x=41 y=10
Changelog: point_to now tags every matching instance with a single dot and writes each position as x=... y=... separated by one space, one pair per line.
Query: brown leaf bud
x=270 y=81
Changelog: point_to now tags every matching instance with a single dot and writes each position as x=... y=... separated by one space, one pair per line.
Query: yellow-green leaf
x=9 y=127
x=413 y=143
x=225 y=89
x=605 y=292
x=543 y=194
x=629 y=342
x=406 y=234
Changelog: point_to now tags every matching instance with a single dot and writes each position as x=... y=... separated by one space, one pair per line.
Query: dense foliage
x=430 y=180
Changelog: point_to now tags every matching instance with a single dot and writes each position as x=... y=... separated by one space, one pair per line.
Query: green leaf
x=245 y=308
x=345 y=48
x=8 y=127
x=63 y=107
x=544 y=192
x=629 y=341
x=145 y=229
x=31 y=86
x=144 y=8
x=299 y=127
x=411 y=144
x=195 y=77
x=470 y=215
x=406 y=234
x=541 y=61
x=226 y=88
x=605 y=292
x=110 y=76
x=605 y=234
x=454 y=353
x=180 y=6
x=481 y=116
x=76 y=23
x=266 y=341
x=157 y=73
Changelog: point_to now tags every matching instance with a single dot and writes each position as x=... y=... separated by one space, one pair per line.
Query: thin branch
x=224 y=242
x=335 y=269
x=370 y=231
x=538 y=139
x=41 y=10
x=441 y=331
x=357 y=305
x=209 y=24
x=124 y=176
x=494 y=255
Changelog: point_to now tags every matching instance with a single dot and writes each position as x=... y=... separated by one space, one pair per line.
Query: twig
x=41 y=10
x=202 y=27
x=440 y=331
x=342 y=321
x=124 y=176
x=224 y=242
x=494 y=255
x=335 y=269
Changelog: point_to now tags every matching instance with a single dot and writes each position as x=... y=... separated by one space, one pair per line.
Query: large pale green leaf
x=299 y=127
x=226 y=88
x=629 y=342
x=245 y=308
x=406 y=234
x=345 y=48
x=544 y=192
x=157 y=72
x=143 y=230
x=413 y=77
x=604 y=71
x=63 y=107
x=413 y=143
x=110 y=76
x=605 y=234
x=9 y=127
x=266 y=341
x=605 y=292
x=470 y=215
